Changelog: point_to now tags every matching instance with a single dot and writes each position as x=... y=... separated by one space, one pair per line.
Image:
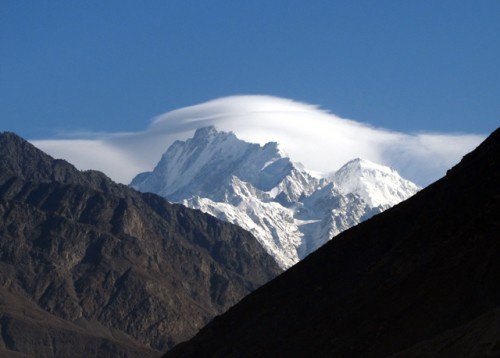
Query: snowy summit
x=376 y=184
x=260 y=188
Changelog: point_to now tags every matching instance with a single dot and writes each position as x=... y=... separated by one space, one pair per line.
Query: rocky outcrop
x=90 y=267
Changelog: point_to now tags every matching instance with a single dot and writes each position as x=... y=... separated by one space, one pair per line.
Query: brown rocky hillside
x=92 y=268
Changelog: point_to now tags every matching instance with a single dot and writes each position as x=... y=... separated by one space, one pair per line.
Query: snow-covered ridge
x=259 y=188
x=376 y=184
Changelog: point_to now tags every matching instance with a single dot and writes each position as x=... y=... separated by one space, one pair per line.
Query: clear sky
x=110 y=66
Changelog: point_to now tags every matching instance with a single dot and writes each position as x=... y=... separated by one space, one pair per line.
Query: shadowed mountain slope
x=92 y=268
x=418 y=280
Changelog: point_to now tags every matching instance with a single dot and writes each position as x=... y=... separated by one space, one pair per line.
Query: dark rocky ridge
x=93 y=268
x=419 y=280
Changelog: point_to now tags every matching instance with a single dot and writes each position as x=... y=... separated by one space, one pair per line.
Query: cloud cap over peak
x=320 y=140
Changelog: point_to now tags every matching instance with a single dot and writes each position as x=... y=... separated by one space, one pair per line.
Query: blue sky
x=110 y=66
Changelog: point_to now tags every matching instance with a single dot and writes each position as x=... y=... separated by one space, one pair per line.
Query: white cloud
x=320 y=140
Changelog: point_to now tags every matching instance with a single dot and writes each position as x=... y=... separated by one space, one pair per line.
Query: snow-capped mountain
x=259 y=188
x=376 y=184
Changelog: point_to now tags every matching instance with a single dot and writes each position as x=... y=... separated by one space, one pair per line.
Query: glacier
x=290 y=210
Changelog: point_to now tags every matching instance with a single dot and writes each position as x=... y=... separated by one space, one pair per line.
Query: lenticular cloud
x=320 y=140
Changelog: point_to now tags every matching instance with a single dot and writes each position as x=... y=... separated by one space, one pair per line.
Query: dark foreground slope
x=92 y=268
x=420 y=280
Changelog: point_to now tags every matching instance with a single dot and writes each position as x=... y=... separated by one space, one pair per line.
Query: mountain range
x=89 y=267
x=418 y=280
x=94 y=268
x=289 y=209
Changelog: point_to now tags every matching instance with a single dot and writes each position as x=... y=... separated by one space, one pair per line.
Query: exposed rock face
x=93 y=268
x=419 y=280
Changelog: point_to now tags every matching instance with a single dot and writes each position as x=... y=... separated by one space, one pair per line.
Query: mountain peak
x=210 y=159
x=23 y=159
x=365 y=165
x=376 y=184
x=209 y=133
x=260 y=189
x=6 y=136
